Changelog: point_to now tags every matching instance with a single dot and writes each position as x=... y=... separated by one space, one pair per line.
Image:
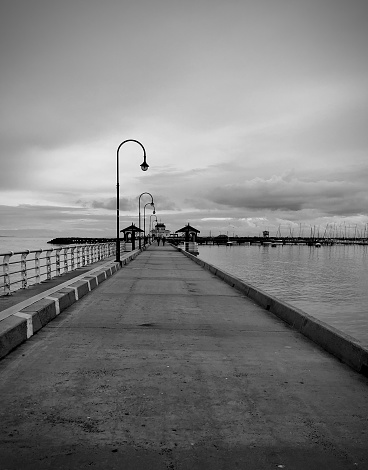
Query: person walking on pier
x=158 y=241
x=163 y=240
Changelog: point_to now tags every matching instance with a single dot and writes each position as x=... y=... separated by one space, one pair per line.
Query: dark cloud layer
x=292 y=194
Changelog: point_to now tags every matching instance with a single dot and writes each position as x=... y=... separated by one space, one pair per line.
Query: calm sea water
x=329 y=283
x=18 y=244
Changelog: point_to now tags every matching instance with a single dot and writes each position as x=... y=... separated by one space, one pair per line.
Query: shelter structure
x=160 y=230
x=189 y=232
x=130 y=234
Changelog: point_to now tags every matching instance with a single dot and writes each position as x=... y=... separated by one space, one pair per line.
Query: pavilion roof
x=131 y=228
x=188 y=228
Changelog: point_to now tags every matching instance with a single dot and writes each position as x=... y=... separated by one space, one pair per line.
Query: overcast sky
x=253 y=114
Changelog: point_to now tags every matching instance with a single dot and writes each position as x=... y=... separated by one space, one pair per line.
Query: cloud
x=162 y=203
x=249 y=95
x=125 y=204
x=288 y=193
x=63 y=218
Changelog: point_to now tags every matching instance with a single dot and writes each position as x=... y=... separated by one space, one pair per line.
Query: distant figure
x=163 y=241
x=158 y=241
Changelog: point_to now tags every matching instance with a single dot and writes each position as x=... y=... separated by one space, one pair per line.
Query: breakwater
x=81 y=240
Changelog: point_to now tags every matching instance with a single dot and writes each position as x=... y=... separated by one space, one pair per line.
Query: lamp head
x=144 y=166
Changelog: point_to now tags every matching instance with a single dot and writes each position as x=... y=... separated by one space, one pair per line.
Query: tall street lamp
x=139 y=209
x=144 y=166
x=144 y=216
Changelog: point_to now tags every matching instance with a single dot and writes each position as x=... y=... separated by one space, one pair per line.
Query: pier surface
x=164 y=366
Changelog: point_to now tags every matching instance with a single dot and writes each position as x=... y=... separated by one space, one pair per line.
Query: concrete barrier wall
x=342 y=346
x=20 y=326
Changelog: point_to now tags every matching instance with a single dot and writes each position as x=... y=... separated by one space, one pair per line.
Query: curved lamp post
x=144 y=166
x=139 y=209
x=144 y=216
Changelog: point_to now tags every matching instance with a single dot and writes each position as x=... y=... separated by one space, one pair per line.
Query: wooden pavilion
x=130 y=234
x=189 y=232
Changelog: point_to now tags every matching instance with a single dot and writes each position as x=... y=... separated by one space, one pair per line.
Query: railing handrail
x=48 y=263
x=61 y=247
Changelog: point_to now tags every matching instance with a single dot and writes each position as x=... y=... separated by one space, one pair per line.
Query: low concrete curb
x=21 y=325
x=342 y=346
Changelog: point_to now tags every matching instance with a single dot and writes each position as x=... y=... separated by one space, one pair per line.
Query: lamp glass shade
x=144 y=166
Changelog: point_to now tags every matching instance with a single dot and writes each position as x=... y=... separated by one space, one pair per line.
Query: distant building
x=266 y=234
x=160 y=231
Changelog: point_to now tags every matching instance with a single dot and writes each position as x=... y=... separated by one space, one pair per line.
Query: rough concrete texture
x=165 y=366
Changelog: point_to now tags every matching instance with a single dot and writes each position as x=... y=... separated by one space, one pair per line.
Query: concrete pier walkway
x=164 y=366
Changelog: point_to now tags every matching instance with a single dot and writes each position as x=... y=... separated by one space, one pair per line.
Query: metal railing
x=21 y=269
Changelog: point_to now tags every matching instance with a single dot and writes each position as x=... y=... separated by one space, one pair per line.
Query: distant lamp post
x=144 y=166
x=144 y=216
x=152 y=215
x=139 y=209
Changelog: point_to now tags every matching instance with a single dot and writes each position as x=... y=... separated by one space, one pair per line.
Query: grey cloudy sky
x=253 y=113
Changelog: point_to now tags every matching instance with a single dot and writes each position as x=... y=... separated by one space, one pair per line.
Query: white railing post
x=57 y=261
x=88 y=248
x=23 y=268
x=66 y=267
x=48 y=264
x=6 y=272
x=72 y=264
x=78 y=256
x=37 y=266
